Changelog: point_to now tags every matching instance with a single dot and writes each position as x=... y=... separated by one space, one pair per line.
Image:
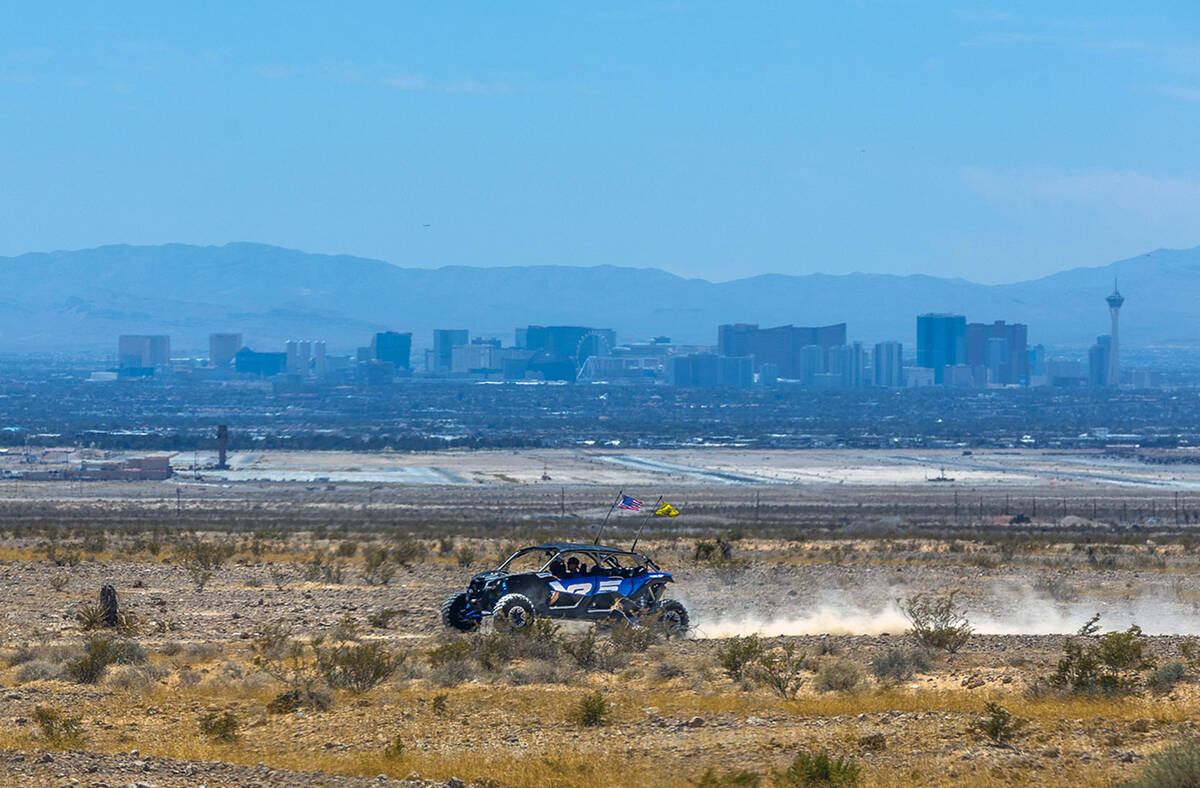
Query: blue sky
x=995 y=142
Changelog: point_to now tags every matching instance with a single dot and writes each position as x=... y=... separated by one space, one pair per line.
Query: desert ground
x=282 y=627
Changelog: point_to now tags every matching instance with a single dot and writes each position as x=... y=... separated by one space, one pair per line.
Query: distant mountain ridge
x=81 y=300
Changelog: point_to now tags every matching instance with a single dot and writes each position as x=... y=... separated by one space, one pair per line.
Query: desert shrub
x=346 y=549
x=998 y=724
x=739 y=778
x=737 y=653
x=818 y=768
x=453 y=673
x=779 y=670
x=438 y=703
x=1164 y=677
x=1110 y=665
x=839 y=675
x=195 y=552
x=39 y=670
x=446 y=545
x=591 y=710
x=94 y=543
x=90 y=616
x=538 y=671
x=100 y=651
x=220 y=727
x=454 y=651
x=377 y=569
x=59 y=581
x=707 y=551
x=465 y=556
x=199 y=576
x=630 y=638
x=665 y=670
x=394 y=750
x=495 y=650
x=1178 y=766
x=591 y=653
x=190 y=678
x=407 y=551
x=900 y=664
x=130 y=677
x=936 y=621
x=58 y=729
x=293 y=662
x=356 y=666
x=296 y=699
x=381 y=618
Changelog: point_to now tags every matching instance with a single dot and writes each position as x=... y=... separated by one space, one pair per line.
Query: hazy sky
x=995 y=142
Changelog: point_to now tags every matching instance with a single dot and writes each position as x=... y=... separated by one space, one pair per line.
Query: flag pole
x=620 y=495
x=638 y=535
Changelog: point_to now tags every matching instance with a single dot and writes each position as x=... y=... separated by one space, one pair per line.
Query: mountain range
x=81 y=300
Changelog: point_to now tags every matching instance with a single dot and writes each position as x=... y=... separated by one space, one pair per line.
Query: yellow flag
x=666 y=510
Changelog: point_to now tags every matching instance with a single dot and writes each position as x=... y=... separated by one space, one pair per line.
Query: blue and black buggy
x=572 y=581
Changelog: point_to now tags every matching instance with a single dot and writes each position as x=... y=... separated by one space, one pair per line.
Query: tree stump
x=108 y=604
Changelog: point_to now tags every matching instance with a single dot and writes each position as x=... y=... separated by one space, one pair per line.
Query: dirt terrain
x=815 y=582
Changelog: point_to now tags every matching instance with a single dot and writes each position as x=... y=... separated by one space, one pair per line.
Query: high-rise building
x=142 y=351
x=1001 y=348
x=1098 y=361
x=444 y=342
x=941 y=342
x=320 y=365
x=1115 y=301
x=811 y=363
x=569 y=344
x=393 y=347
x=222 y=348
x=299 y=356
x=889 y=365
x=780 y=346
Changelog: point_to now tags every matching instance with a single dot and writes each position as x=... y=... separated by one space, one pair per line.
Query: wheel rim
x=517 y=617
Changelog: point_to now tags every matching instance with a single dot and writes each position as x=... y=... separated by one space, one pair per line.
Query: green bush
x=999 y=725
x=737 y=653
x=779 y=670
x=57 y=729
x=814 y=769
x=1178 y=766
x=220 y=727
x=356 y=666
x=1165 y=677
x=900 y=664
x=100 y=651
x=592 y=709
x=1110 y=665
x=937 y=621
x=377 y=569
x=739 y=778
x=840 y=675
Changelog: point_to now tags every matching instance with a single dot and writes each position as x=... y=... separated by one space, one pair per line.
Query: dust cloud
x=1001 y=610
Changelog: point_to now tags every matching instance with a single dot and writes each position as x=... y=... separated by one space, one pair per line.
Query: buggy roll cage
x=600 y=556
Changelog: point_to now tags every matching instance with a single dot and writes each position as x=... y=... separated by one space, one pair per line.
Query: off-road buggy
x=572 y=581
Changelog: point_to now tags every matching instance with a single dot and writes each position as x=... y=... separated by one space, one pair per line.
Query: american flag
x=630 y=503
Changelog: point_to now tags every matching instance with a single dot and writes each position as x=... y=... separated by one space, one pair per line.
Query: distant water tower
x=1114 y=352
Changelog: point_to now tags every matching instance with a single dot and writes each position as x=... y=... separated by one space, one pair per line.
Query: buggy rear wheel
x=456 y=613
x=674 y=617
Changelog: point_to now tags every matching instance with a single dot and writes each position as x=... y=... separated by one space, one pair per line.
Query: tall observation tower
x=1114 y=350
